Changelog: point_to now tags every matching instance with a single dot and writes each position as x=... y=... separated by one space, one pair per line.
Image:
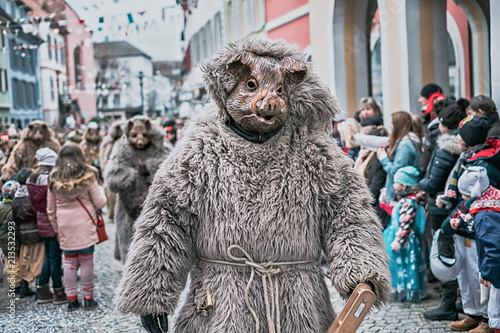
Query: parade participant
x=407 y=264
x=115 y=132
x=35 y=136
x=129 y=173
x=73 y=186
x=37 y=187
x=250 y=196
x=91 y=142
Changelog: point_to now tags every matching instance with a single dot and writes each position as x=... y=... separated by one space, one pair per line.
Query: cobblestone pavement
x=33 y=317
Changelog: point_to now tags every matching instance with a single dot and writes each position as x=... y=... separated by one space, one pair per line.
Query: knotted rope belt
x=266 y=270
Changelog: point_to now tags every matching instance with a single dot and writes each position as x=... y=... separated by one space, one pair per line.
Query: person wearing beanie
x=476 y=151
x=473 y=131
x=46 y=157
x=406 y=264
x=51 y=269
x=478 y=213
x=451 y=116
x=430 y=94
x=6 y=223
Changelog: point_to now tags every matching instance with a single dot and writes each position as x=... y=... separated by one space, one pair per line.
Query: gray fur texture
x=121 y=177
x=283 y=200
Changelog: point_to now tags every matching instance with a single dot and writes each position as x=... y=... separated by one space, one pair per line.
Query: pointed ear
x=45 y=130
x=240 y=64
x=147 y=124
x=295 y=70
x=130 y=124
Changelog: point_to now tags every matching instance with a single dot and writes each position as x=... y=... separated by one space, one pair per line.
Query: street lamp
x=141 y=77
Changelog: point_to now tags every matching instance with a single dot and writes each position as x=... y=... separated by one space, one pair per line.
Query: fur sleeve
x=162 y=251
x=14 y=163
x=120 y=172
x=352 y=234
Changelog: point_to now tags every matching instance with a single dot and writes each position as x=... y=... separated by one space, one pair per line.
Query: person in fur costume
x=35 y=136
x=252 y=193
x=129 y=172
x=91 y=143
x=115 y=132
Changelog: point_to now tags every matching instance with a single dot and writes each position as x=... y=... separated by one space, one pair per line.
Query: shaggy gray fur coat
x=281 y=201
x=122 y=178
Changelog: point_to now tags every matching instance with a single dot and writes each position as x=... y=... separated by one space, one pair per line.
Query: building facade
x=23 y=68
x=387 y=49
x=5 y=103
x=121 y=70
x=53 y=79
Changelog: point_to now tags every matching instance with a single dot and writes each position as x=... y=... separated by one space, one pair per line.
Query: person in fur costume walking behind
x=129 y=172
x=73 y=184
x=250 y=196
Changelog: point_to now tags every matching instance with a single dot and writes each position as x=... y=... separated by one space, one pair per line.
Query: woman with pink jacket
x=72 y=179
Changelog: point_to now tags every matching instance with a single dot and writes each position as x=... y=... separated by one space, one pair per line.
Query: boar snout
x=269 y=106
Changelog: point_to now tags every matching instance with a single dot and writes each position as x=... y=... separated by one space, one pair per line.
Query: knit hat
x=474 y=181
x=23 y=175
x=474 y=130
x=429 y=89
x=9 y=189
x=407 y=175
x=451 y=115
x=46 y=156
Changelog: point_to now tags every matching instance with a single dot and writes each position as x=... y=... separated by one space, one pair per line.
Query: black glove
x=143 y=170
x=155 y=324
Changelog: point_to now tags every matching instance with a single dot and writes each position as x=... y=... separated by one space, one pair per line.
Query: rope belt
x=266 y=270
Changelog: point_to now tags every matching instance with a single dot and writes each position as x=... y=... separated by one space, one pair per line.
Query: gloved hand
x=155 y=324
x=143 y=170
x=396 y=246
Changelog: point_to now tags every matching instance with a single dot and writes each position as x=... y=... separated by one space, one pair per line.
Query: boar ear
x=147 y=124
x=129 y=126
x=239 y=65
x=295 y=70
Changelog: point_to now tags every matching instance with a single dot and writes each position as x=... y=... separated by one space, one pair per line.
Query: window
x=78 y=72
x=49 y=46
x=2 y=39
x=56 y=50
x=52 y=90
x=3 y=80
x=15 y=92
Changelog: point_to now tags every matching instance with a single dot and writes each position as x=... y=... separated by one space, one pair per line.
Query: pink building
x=80 y=64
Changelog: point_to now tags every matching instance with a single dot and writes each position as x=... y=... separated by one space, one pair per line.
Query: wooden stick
x=354 y=311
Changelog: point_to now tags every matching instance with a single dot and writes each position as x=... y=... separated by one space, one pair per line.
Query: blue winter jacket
x=407 y=153
x=487 y=226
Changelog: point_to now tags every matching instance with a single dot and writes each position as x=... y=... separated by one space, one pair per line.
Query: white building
x=119 y=66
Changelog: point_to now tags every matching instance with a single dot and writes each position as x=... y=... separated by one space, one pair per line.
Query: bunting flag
x=101 y=19
x=130 y=18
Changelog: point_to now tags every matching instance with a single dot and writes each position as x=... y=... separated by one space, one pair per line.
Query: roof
x=36 y=9
x=118 y=49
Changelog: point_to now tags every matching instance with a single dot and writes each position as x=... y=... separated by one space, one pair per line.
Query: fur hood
x=73 y=187
x=49 y=136
x=310 y=101
x=114 y=131
x=449 y=143
x=156 y=133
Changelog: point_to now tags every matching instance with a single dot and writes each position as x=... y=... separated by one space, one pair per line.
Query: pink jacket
x=70 y=221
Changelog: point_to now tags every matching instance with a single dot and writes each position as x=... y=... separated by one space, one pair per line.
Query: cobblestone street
x=32 y=317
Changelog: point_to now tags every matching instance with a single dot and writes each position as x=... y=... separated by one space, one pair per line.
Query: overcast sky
x=153 y=26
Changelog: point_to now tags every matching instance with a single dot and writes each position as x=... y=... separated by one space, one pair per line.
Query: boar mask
x=259 y=102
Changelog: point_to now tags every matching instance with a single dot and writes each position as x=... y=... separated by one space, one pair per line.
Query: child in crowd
x=72 y=185
x=471 y=184
x=478 y=217
x=407 y=265
x=37 y=187
x=7 y=228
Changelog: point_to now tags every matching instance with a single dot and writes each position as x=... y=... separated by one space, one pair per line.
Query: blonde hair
x=343 y=129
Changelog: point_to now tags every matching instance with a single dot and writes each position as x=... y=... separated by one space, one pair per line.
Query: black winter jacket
x=441 y=163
